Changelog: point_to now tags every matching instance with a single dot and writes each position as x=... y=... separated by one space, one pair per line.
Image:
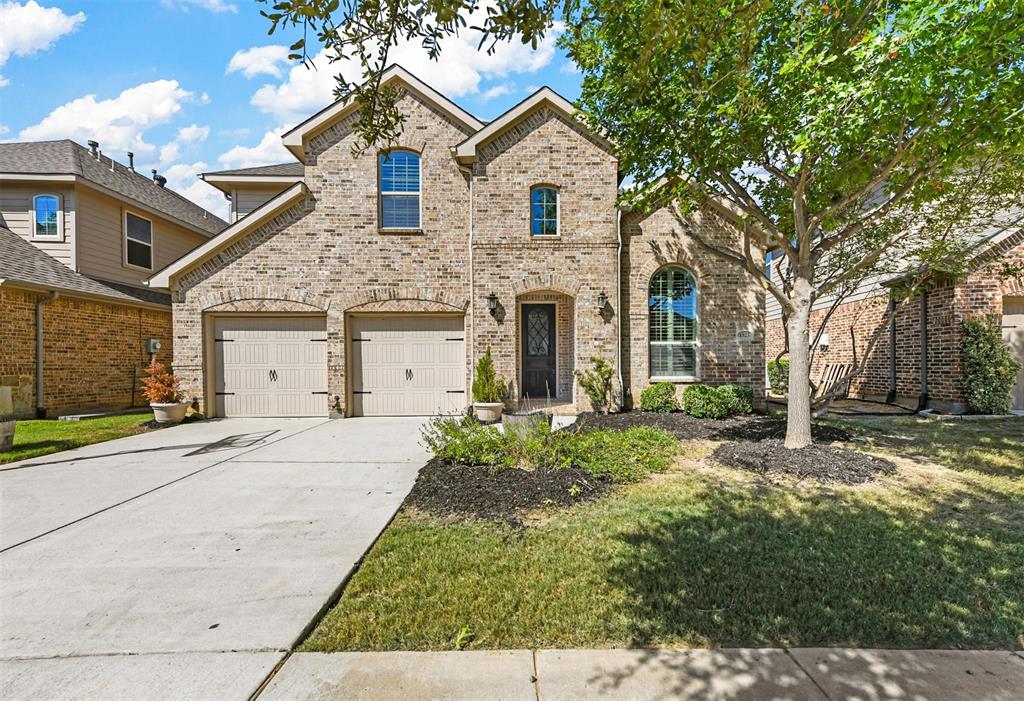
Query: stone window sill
x=401 y=232
x=677 y=380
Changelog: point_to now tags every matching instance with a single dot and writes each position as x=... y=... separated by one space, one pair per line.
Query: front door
x=538 y=335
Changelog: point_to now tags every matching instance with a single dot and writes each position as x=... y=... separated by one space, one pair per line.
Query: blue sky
x=194 y=85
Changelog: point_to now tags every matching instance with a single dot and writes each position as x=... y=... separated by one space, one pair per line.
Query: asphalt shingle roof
x=22 y=262
x=65 y=157
x=288 y=170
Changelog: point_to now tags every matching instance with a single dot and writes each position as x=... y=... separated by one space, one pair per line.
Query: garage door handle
x=408 y=374
x=273 y=375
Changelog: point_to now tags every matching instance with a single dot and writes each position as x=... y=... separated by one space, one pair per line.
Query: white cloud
x=569 y=67
x=193 y=133
x=118 y=123
x=28 y=28
x=4 y=129
x=496 y=91
x=268 y=150
x=211 y=5
x=169 y=152
x=259 y=59
x=458 y=72
x=183 y=178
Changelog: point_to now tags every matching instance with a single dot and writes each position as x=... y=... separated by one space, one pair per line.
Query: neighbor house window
x=672 y=306
x=400 y=190
x=138 y=241
x=544 y=211
x=46 y=216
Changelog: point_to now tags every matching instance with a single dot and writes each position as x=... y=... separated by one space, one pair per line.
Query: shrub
x=619 y=456
x=488 y=387
x=778 y=375
x=597 y=383
x=160 y=386
x=465 y=440
x=707 y=402
x=659 y=397
x=740 y=396
x=989 y=369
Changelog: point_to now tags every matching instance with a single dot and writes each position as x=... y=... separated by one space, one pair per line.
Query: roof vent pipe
x=94 y=148
x=160 y=180
x=131 y=160
x=154 y=174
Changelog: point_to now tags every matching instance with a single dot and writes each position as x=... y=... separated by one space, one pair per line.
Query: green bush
x=619 y=456
x=990 y=371
x=659 y=397
x=741 y=397
x=597 y=383
x=778 y=375
x=488 y=387
x=706 y=402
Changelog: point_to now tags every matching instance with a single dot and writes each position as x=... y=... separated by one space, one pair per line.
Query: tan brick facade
x=94 y=352
x=327 y=254
x=947 y=304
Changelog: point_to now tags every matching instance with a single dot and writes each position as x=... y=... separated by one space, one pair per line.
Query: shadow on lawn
x=740 y=568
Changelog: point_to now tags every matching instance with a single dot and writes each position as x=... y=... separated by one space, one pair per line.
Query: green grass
x=35 y=438
x=710 y=557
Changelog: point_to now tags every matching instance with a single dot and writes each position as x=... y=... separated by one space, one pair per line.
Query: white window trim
x=381 y=193
x=59 y=236
x=124 y=241
x=558 y=212
x=696 y=343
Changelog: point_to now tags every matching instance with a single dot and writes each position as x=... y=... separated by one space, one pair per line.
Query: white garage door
x=270 y=366
x=407 y=365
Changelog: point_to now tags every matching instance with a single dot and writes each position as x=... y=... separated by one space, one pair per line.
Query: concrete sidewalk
x=649 y=675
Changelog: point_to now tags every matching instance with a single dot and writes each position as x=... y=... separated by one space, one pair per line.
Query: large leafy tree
x=850 y=136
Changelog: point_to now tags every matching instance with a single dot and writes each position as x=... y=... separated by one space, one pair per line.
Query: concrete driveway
x=184 y=562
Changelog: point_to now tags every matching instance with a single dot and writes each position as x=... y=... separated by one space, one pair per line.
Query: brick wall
x=94 y=352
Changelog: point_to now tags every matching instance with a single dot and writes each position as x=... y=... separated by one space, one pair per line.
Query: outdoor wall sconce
x=602 y=301
x=492 y=304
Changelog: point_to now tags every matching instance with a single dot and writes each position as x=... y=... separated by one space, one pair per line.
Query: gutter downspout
x=891 y=396
x=922 y=400
x=468 y=171
x=618 y=296
x=40 y=390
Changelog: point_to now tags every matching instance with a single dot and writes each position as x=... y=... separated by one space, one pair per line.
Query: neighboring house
x=79 y=233
x=372 y=285
x=915 y=369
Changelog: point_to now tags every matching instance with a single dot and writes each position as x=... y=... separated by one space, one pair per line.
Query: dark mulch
x=823 y=463
x=737 y=428
x=462 y=490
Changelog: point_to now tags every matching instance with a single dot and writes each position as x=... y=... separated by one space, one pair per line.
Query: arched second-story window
x=672 y=309
x=46 y=216
x=400 y=190
x=544 y=211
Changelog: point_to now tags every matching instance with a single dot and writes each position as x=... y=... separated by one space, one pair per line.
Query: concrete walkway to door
x=183 y=563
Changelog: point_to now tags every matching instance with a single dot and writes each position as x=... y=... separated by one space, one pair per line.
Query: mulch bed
x=686 y=427
x=445 y=489
x=823 y=463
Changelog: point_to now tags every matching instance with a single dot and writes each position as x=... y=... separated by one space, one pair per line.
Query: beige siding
x=248 y=199
x=101 y=239
x=16 y=215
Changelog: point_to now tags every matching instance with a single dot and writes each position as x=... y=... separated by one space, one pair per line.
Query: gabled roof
x=465 y=152
x=293 y=169
x=24 y=265
x=279 y=174
x=294 y=139
x=164 y=279
x=65 y=158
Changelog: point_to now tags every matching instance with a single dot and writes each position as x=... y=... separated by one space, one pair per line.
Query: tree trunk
x=798 y=415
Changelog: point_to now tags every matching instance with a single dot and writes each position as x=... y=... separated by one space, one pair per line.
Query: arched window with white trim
x=672 y=323
x=46 y=216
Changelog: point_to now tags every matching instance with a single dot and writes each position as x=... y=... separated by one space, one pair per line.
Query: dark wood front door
x=538 y=335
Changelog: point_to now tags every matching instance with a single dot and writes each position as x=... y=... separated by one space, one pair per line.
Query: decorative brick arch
x=650 y=267
x=547 y=281
x=261 y=298
x=395 y=296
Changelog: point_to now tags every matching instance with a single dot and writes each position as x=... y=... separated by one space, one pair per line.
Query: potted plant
x=160 y=388
x=489 y=390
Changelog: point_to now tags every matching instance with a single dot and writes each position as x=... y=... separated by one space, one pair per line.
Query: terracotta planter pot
x=169 y=413
x=488 y=412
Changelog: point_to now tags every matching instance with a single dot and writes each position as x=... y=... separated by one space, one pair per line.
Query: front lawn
x=42 y=437
x=704 y=555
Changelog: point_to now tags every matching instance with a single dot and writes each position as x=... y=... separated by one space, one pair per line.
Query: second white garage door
x=407 y=365
x=270 y=366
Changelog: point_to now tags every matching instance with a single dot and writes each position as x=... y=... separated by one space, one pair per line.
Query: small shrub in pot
x=489 y=390
x=160 y=388
x=660 y=397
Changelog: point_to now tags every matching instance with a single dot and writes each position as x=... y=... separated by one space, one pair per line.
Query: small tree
x=488 y=387
x=597 y=383
x=160 y=386
x=990 y=370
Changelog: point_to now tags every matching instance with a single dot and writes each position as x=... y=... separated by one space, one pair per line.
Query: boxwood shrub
x=659 y=397
x=778 y=375
x=990 y=370
x=706 y=402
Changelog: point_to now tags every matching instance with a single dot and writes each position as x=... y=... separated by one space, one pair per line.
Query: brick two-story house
x=370 y=283
x=79 y=233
